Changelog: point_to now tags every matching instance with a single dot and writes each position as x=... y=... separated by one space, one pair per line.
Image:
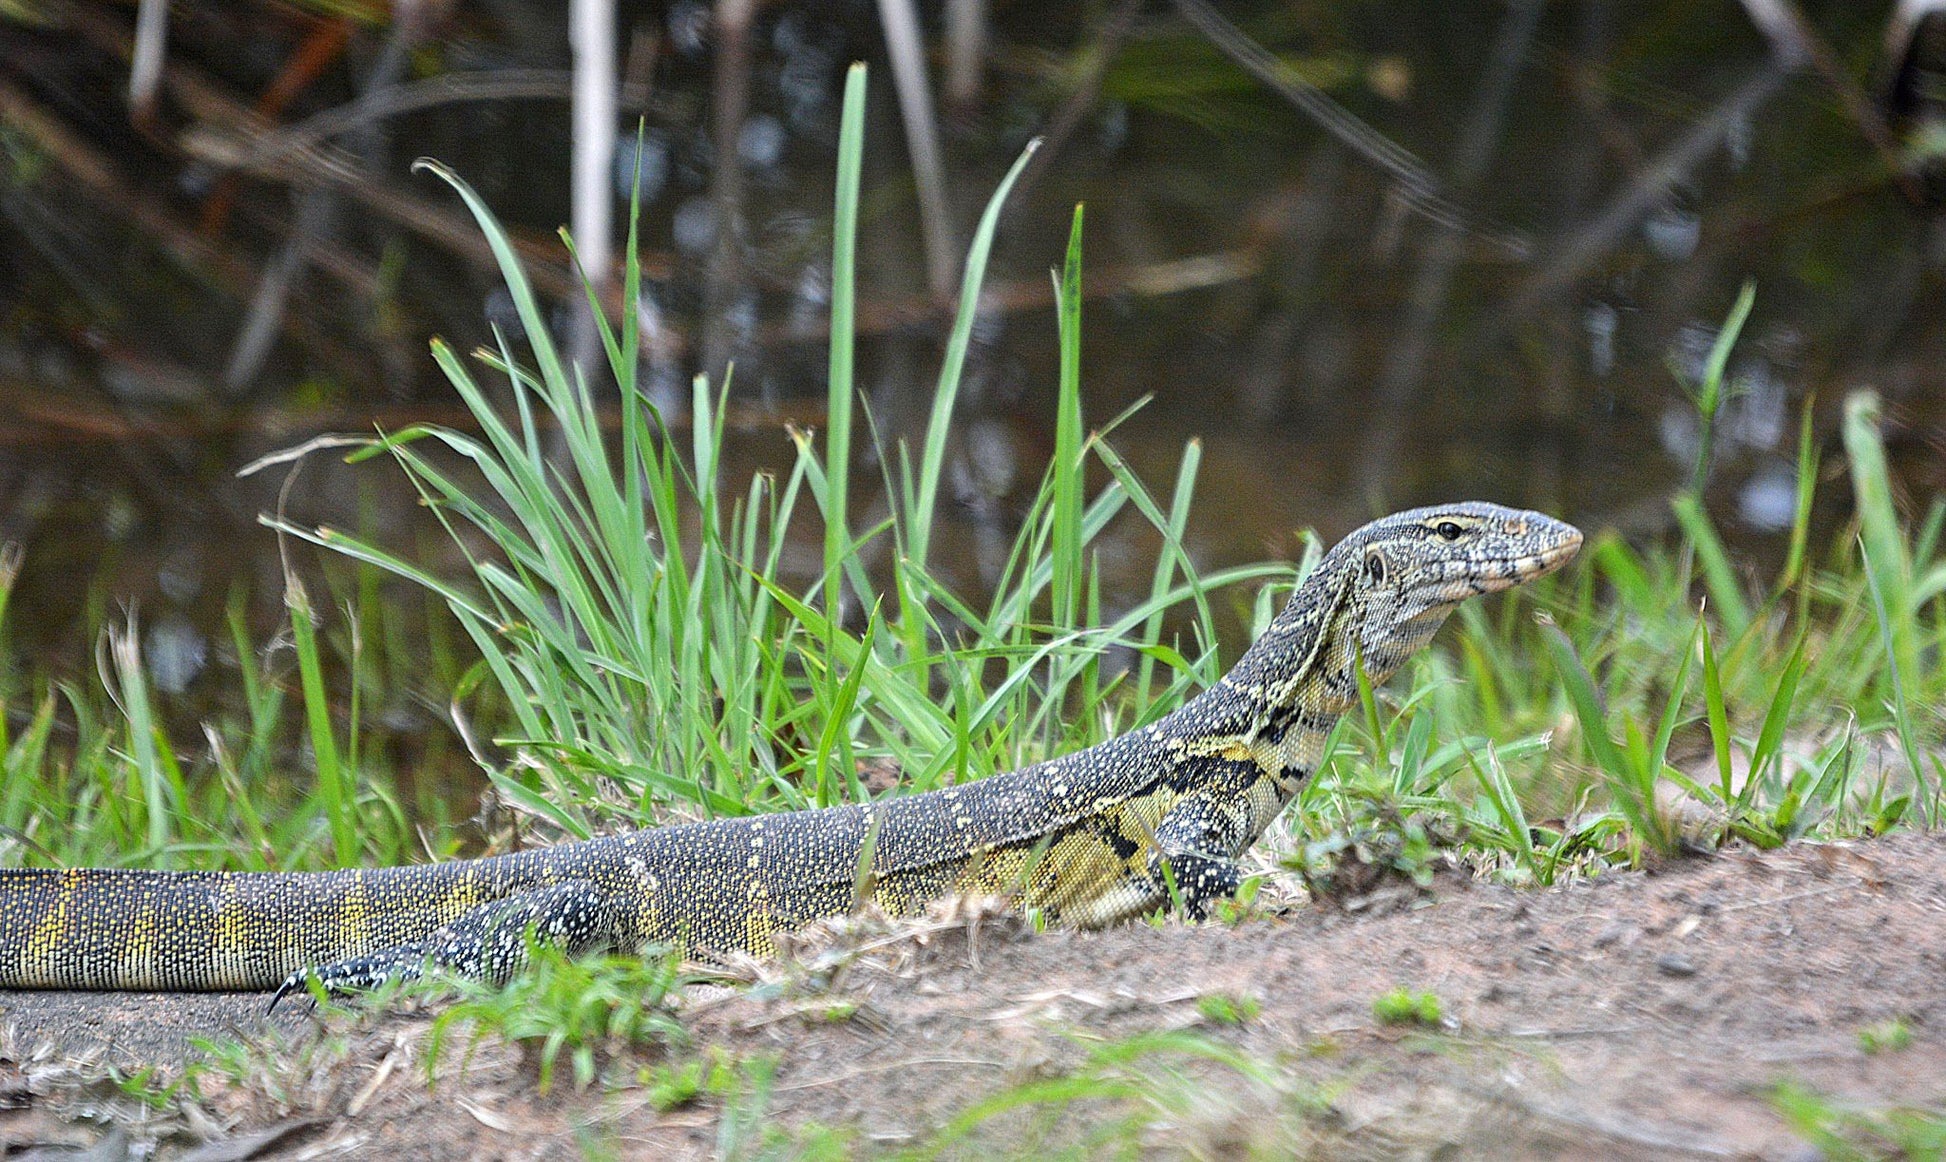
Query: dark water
x=1611 y=173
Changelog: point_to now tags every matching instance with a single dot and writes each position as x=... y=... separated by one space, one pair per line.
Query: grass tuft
x=590 y=1012
x=1404 y=1006
x=658 y=657
x=1611 y=716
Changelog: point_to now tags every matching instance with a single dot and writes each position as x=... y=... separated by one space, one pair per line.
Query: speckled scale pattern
x=1089 y=838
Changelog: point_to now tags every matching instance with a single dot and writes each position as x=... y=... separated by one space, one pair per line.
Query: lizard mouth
x=1514 y=571
x=1552 y=557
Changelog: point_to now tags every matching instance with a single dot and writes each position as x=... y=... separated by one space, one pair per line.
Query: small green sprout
x=1885 y=1036
x=1402 y=1006
x=1229 y=1008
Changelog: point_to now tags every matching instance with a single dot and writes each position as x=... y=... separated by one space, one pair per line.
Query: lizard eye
x=1448 y=530
x=1375 y=568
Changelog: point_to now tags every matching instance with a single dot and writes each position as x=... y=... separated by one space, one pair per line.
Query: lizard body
x=1088 y=838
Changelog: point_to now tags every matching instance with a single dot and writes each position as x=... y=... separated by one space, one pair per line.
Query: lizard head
x=1376 y=597
x=1409 y=570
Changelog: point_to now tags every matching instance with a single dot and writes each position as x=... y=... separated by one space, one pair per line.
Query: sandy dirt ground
x=1645 y=1015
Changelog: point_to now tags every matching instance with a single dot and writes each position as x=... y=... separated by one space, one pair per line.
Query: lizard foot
x=490 y=942
x=1201 y=880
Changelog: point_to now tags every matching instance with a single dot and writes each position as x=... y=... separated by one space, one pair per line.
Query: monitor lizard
x=1107 y=833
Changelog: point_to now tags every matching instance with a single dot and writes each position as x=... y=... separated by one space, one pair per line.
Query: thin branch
x=145 y=70
x=431 y=93
x=966 y=50
x=1418 y=189
x=1587 y=243
x=908 y=55
x=1406 y=356
x=1099 y=54
x=1794 y=40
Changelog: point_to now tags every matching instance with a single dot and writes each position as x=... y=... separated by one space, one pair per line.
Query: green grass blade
x=1066 y=472
x=835 y=743
x=1807 y=483
x=1165 y=563
x=1716 y=712
x=1672 y=708
x=844 y=278
x=932 y=457
x=334 y=783
x=1719 y=576
x=1901 y=713
x=532 y=319
x=160 y=801
x=1709 y=394
x=1883 y=545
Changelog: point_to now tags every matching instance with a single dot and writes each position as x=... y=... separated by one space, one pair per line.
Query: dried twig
x=103 y=181
x=903 y=44
x=431 y=93
x=1588 y=242
x=1417 y=188
x=1406 y=356
x=1100 y=53
x=230 y=135
x=1793 y=39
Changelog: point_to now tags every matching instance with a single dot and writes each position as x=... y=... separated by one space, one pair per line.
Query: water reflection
x=176 y=652
x=761 y=142
x=1673 y=232
x=1768 y=500
x=1347 y=356
x=648 y=164
x=694 y=227
x=1601 y=320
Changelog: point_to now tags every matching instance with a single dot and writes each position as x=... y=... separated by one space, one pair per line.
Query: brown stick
x=94 y=172
x=1102 y=51
x=233 y=132
x=1791 y=37
x=50 y=421
x=1587 y=243
x=324 y=44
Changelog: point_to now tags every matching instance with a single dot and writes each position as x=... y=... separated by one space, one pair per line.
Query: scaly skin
x=1084 y=838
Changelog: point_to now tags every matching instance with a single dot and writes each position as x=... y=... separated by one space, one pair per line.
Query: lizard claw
x=489 y=942
x=292 y=983
x=1200 y=880
x=356 y=973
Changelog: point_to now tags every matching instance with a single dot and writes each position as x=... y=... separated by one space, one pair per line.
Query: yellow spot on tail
x=137 y=953
x=226 y=918
x=355 y=915
x=757 y=932
x=48 y=934
x=462 y=895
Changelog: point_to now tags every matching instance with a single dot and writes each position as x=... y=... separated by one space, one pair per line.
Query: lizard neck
x=1278 y=704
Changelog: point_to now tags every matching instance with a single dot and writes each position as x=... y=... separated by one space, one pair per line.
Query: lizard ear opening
x=1375 y=567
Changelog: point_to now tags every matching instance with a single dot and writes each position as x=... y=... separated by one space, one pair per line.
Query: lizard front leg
x=1197 y=841
x=489 y=942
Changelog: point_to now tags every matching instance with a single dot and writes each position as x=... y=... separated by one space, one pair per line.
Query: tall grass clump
x=656 y=654
x=1662 y=699
x=111 y=774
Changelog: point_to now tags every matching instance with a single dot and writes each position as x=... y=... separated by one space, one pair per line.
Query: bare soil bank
x=1645 y=1015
